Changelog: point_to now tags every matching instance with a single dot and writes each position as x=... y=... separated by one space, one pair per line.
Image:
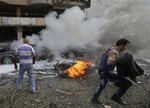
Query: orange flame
x=78 y=69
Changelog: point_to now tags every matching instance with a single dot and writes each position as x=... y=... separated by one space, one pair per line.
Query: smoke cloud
x=71 y=29
x=101 y=25
x=126 y=18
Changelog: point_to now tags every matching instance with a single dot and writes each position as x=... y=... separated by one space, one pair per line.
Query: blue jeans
x=123 y=85
x=22 y=69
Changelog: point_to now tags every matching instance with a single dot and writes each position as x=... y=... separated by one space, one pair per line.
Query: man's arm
x=112 y=57
x=15 y=61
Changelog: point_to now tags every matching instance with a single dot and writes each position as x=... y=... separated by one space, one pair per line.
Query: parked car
x=7 y=57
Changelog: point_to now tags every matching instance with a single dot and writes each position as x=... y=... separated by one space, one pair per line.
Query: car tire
x=7 y=60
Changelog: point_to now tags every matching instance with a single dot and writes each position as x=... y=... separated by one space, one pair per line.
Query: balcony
x=15 y=2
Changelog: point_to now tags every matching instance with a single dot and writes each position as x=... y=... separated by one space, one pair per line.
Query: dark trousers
x=123 y=85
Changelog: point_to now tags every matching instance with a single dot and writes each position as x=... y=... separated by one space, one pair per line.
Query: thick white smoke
x=126 y=18
x=70 y=29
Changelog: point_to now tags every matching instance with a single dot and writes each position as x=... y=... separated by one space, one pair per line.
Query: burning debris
x=79 y=69
x=64 y=67
x=76 y=68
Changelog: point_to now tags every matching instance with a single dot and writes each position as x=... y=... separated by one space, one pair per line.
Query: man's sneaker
x=119 y=101
x=93 y=101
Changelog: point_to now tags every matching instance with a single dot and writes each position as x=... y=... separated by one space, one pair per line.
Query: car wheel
x=7 y=60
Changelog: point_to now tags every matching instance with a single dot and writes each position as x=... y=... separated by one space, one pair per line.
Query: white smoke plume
x=70 y=29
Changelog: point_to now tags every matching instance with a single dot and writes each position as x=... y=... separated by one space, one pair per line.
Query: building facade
x=19 y=18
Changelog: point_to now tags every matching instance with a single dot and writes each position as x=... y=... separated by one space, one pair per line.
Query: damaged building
x=19 y=18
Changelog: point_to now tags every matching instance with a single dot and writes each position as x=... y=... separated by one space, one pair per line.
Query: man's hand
x=15 y=66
